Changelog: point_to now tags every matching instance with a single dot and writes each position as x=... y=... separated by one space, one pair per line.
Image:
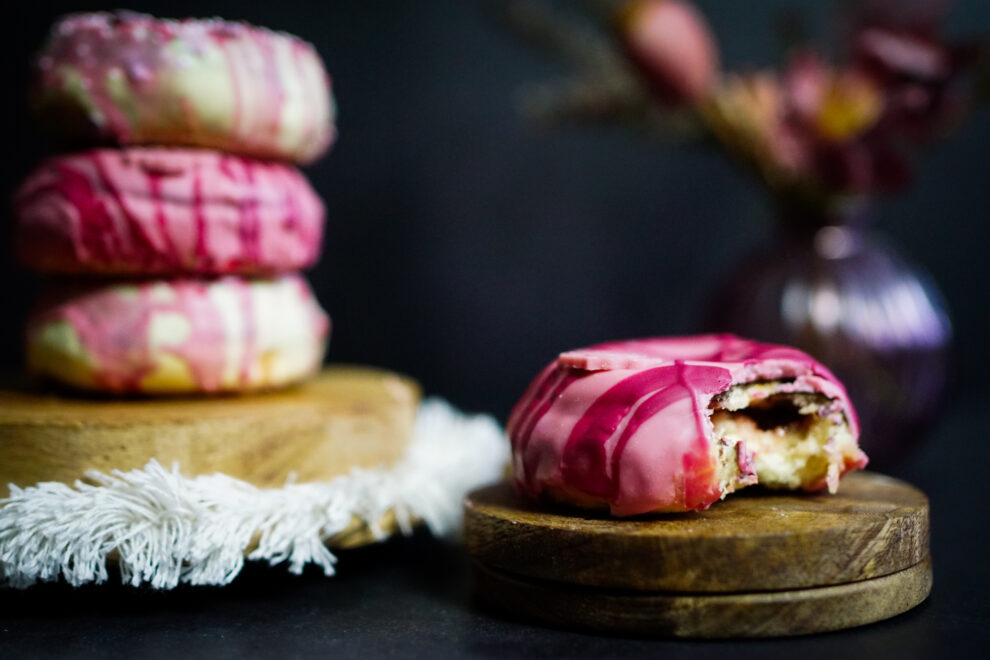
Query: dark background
x=467 y=247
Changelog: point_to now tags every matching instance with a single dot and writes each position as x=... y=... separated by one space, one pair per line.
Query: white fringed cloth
x=163 y=528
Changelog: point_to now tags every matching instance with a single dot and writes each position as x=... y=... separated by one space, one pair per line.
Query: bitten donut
x=674 y=424
x=128 y=78
x=143 y=211
x=179 y=336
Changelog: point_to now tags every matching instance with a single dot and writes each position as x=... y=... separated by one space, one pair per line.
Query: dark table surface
x=411 y=597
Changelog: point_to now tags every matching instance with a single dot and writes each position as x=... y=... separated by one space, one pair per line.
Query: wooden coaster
x=754 y=540
x=759 y=614
x=344 y=418
x=761 y=563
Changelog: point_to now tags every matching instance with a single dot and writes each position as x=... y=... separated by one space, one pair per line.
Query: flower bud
x=671 y=43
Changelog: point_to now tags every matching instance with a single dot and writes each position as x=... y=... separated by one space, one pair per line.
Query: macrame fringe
x=165 y=529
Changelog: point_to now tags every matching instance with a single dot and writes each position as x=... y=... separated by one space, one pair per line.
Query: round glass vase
x=834 y=288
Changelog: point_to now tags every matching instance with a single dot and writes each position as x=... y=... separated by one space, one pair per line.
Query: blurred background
x=467 y=246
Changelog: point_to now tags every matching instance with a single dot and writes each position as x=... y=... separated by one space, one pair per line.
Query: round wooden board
x=754 y=540
x=344 y=418
x=767 y=614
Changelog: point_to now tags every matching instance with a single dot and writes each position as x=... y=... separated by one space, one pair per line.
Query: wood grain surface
x=766 y=614
x=754 y=540
x=344 y=418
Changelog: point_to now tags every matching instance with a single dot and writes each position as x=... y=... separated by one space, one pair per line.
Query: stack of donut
x=173 y=235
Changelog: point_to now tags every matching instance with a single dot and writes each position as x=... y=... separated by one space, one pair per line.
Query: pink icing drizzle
x=114 y=329
x=148 y=211
x=168 y=252
x=584 y=460
x=237 y=87
x=98 y=237
x=576 y=426
x=250 y=230
x=92 y=48
x=202 y=251
x=247 y=317
x=273 y=81
x=312 y=123
x=140 y=241
x=542 y=404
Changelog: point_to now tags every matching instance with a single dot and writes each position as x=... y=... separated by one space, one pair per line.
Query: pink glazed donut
x=178 y=336
x=131 y=79
x=675 y=424
x=150 y=211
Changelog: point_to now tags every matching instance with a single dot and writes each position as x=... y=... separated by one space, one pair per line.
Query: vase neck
x=805 y=219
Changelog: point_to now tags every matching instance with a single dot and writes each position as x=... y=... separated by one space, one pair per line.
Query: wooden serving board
x=344 y=418
x=757 y=614
x=756 y=564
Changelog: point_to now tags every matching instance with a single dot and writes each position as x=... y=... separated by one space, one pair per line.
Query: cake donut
x=675 y=424
x=143 y=211
x=179 y=336
x=127 y=78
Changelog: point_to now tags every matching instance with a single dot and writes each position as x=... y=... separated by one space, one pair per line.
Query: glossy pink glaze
x=627 y=423
x=113 y=327
x=90 y=49
x=154 y=211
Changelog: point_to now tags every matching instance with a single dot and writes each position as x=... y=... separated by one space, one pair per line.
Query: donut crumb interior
x=779 y=439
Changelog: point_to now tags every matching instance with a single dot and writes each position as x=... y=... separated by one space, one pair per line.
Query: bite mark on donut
x=792 y=440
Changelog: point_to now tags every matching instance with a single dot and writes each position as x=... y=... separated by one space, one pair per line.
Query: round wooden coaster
x=344 y=418
x=767 y=614
x=754 y=540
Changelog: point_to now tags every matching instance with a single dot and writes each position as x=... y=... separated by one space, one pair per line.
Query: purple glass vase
x=835 y=289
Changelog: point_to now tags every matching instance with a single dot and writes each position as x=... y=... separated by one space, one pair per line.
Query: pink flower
x=920 y=76
x=814 y=132
x=834 y=119
x=671 y=43
x=814 y=127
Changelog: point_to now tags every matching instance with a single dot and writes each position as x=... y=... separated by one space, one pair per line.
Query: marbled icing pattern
x=178 y=336
x=144 y=211
x=128 y=79
x=627 y=423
